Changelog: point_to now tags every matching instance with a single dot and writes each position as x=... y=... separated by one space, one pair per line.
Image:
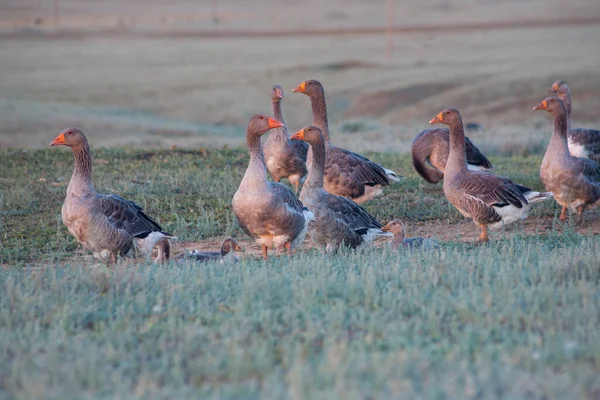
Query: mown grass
x=518 y=318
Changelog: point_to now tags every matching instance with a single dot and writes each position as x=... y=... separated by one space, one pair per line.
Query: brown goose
x=107 y=225
x=487 y=199
x=267 y=211
x=583 y=142
x=397 y=227
x=338 y=220
x=430 y=150
x=346 y=173
x=574 y=181
x=285 y=158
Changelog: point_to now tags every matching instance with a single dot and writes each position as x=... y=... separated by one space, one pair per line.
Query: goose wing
x=125 y=214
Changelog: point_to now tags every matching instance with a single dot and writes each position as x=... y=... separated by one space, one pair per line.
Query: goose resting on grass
x=107 y=225
x=574 y=181
x=582 y=142
x=346 y=173
x=399 y=230
x=227 y=253
x=487 y=199
x=285 y=158
x=267 y=211
x=338 y=220
x=430 y=149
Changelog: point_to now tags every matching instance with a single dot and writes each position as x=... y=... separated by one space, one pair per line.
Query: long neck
x=558 y=140
x=257 y=170
x=457 y=159
x=566 y=98
x=319 y=114
x=316 y=168
x=278 y=114
x=81 y=180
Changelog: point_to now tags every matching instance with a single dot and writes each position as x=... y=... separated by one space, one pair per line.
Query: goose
x=582 y=142
x=489 y=200
x=347 y=173
x=107 y=225
x=227 y=253
x=574 y=181
x=429 y=151
x=267 y=211
x=338 y=220
x=397 y=227
x=285 y=158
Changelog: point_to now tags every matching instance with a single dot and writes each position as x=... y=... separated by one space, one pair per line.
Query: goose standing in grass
x=582 y=142
x=574 y=181
x=107 y=225
x=430 y=149
x=346 y=173
x=338 y=220
x=285 y=158
x=399 y=230
x=267 y=211
x=487 y=199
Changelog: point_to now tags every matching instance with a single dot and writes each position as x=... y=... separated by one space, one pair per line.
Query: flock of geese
x=335 y=181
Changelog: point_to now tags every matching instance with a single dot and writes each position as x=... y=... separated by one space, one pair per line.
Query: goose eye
x=447 y=112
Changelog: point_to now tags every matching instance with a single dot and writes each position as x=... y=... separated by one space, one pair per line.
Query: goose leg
x=296 y=186
x=563 y=214
x=580 y=218
x=483 y=238
x=265 y=253
x=288 y=246
x=113 y=258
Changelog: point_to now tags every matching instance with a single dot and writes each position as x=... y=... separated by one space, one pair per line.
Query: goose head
x=446 y=117
x=71 y=137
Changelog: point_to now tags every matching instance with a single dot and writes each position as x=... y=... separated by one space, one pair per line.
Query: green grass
x=518 y=318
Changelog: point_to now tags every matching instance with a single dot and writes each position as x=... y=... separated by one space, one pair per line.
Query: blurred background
x=190 y=73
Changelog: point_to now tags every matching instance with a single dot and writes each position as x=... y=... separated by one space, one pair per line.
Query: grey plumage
x=107 y=225
x=338 y=220
x=347 y=173
x=430 y=149
x=582 y=142
x=574 y=181
x=267 y=211
x=487 y=199
x=284 y=158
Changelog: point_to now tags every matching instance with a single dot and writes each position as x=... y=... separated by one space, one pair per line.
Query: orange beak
x=554 y=88
x=301 y=88
x=60 y=139
x=274 y=123
x=237 y=247
x=298 y=135
x=386 y=227
x=438 y=119
x=541 y=106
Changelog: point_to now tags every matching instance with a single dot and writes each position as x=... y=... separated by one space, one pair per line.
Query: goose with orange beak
x=338 y=220
x=347 y=173
x=285 y=159
x=267 y=211
x=107 y=225
x=582 y=142
x=574 y=181
x=489 y=200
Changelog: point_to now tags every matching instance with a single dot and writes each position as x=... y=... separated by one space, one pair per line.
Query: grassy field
x=164 y=91
x=517 y=318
